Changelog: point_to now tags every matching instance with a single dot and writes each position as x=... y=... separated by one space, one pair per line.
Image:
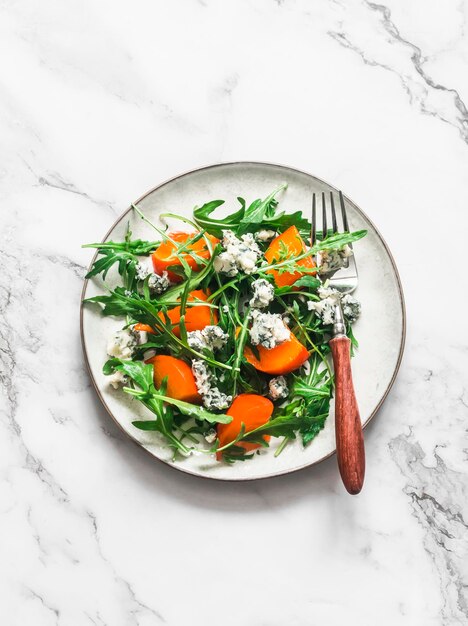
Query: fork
x=348 y=428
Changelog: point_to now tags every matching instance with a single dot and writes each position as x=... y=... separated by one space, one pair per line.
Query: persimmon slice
x=288 y=244
x=283 y=359
x=196 y=317
x=181 y=383
x=249 y=409
x=164 y=256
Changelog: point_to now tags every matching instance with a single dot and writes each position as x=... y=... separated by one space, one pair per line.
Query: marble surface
x=101 y=101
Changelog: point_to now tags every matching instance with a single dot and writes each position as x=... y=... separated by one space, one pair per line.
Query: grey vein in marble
x=436 y=494
x=416 y=82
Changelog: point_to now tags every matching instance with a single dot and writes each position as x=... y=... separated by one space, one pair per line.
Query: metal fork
x=348 y=428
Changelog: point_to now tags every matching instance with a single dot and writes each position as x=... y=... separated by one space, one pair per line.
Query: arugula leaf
x=298 y=417
x=352 y=338
x=115 y=303
x=259 y=213
x=142 y=375
x=140 y=372
x=282 y=221
x=307 y=281
x=202 y=217
x=311 y=430
x=338 y=240
x=241 y=340
x=125 y=253
x=198 y=412
x=146 y=424
x=280 y=426
x=135 y=246
x=173 y=293
x=138 y=308
x=237 y=453
x=334 y=242
x=260 y=209
x=108 y=259
x=306 y=414
x=271 y=220
x=155 y=342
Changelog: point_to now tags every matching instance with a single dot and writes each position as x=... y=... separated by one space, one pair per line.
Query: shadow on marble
x=314 y=482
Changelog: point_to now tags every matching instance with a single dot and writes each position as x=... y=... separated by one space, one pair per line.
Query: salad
x=225 y=326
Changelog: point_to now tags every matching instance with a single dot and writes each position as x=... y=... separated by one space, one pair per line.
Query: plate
x=383 y=314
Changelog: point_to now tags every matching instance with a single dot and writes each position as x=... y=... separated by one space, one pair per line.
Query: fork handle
x=348 y=428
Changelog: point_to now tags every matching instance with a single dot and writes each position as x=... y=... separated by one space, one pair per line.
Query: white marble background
x=99 y=101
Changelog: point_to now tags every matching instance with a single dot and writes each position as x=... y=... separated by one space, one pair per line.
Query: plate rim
x=280 y=472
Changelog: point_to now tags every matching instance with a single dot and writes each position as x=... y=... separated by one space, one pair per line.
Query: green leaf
x=302 y=388
x=280 y=426
x=259 y=209
x=282 y=221
x=198 y=412
x=339 y=240
x=155 y=342
x=245 y=219
x=173 y=293
x=308 y=281
x=124 y=253
x=311 y=430
x=334 y=242
x=202 y=217
x=108 y=259
x=147 y=424
x=354 y=341
x=140 y=372
x=137 y=246
x=142 y=375
x=115 y=303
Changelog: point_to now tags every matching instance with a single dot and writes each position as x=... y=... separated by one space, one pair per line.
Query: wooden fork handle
x=348 y=428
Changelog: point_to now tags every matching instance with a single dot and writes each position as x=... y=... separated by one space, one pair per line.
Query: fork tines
x=334 y=221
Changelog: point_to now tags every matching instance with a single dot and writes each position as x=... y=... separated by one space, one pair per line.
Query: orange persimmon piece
x=288 y=244
x=283 y=359
x=196 y=317
x=163 y=257
x=145 y=328
x=251 y=410
x=180 y=379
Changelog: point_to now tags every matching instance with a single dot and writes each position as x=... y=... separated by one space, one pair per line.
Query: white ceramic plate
x=383 y=316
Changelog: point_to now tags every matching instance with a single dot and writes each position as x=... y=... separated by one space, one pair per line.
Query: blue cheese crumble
x=268 y=330
x=278 y=388
x=351 y=308
x=329 y=298
x=142 y=270
x=211 y=338
x=213 y=398
x=265 y=235
x=238 y=255
x=263 y=293
x=157 y=283
x=211 y=436
x=122 y=344
x=117 y=378
x=332 y=260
